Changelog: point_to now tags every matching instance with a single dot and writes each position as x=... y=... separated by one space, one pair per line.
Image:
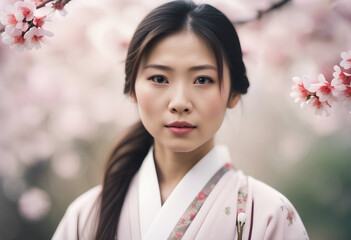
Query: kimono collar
x=157 y=220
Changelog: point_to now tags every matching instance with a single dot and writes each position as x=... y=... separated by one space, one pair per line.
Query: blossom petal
x=346 y=62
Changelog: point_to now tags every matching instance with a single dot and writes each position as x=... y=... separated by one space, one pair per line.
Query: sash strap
x=190 y=213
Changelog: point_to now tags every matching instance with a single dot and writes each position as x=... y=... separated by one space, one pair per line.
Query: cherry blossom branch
x=261 y=13
x=23 y=27
x=59 y=5
x=2 y=30
x=319 y=94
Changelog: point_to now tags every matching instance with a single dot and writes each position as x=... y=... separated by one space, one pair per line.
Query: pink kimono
x=204 y=205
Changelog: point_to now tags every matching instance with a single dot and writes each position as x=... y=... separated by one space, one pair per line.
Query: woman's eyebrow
x=193 y=68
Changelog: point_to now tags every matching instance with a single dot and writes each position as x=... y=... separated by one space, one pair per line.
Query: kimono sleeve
x=275 y=218
x=286 y=223
x=67 y=228
x=76 y=216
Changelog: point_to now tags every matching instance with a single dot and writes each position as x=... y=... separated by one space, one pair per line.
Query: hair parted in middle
x=214 y=28
x=206 y=22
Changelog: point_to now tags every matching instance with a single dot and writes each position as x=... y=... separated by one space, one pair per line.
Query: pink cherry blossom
x=55 y=6
x=14 y=38
x=300 y=89
x=323 y=89
x=11 y=17
x=36 y=36
x=319 y=107
x=346 y=59
x=342 y=86
x=25 y=10
x=341 y=79
x=39 y=21
x=347 y=98
x=22 y=16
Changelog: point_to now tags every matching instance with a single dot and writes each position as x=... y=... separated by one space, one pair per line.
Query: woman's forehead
x=183 y=47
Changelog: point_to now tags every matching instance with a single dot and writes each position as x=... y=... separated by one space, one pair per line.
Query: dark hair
x=206 y=22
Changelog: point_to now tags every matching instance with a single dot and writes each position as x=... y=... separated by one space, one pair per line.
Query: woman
x=166 y=179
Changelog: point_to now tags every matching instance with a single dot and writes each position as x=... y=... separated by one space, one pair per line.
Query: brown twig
x=44 y=3
x=260 y=13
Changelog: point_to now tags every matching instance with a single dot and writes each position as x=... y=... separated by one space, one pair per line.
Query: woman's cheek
x=215 y=104
x=148 y=99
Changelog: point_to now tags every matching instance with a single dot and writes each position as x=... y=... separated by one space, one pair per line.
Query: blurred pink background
x=62 y=110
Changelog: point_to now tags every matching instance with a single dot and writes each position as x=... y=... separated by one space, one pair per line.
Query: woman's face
x=178 y=94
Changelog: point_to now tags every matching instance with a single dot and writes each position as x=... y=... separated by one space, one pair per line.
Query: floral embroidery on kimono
x=209 y=213
x=290 y=213
x=195 y=206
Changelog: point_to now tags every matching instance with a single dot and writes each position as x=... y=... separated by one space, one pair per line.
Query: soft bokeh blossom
x=62 y=109
x=34 y=204
x=67 y=165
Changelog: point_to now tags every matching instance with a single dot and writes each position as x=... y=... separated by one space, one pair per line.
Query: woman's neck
x=172 y=166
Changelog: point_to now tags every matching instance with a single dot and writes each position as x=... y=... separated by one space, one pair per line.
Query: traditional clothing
x=204 y=205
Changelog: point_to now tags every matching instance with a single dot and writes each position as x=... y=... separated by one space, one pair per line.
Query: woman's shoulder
x=264 y=192
x=87 y=198
x=265 y=196
x=79 y=214
x=257 y=190
x=269 y=199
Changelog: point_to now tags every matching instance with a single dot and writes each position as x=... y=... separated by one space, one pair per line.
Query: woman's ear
x=233 y=100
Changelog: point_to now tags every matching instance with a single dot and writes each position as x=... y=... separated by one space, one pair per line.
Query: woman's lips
x=180 y=128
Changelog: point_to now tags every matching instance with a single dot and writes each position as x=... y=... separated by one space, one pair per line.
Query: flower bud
x=241 y=218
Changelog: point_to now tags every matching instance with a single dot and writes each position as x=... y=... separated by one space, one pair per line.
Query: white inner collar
x=157 y=221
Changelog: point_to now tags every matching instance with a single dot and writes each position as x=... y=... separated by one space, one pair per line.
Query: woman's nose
x=180 y=101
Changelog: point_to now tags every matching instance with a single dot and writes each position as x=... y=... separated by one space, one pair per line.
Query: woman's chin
x=183 y=145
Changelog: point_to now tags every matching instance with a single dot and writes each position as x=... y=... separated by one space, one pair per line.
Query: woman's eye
x=203 y=80
x=158 y=79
